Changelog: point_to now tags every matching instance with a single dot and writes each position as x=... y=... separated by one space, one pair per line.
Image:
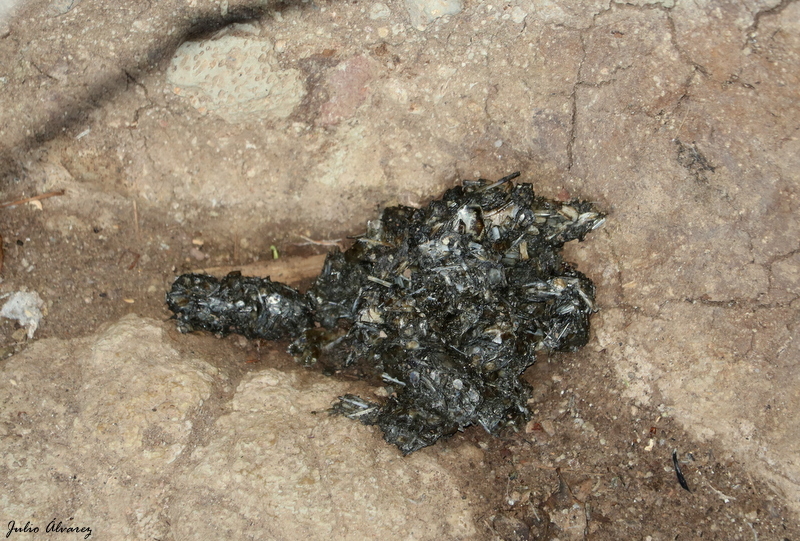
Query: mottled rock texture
x=236 y=78
x=679 y=118
x=122 y=433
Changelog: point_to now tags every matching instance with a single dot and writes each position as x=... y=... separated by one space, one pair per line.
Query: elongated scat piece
x=254 y=307
x=447 y=305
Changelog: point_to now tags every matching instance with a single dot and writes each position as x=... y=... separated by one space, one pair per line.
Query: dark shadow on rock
x=81 y=100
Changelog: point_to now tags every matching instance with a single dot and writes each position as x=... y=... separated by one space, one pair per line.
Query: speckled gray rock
x=109 y=430
x=424 y=12
x=379 y=10
x=236 y=78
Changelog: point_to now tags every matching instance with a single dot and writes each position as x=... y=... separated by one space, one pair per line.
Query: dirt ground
x=680 y=120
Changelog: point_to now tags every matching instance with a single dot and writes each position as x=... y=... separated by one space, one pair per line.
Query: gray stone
x=379 y=11
x=423 y=12
x=236 y=78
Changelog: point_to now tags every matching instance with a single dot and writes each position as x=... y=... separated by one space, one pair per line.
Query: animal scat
x=447 y=305
x=253 y=307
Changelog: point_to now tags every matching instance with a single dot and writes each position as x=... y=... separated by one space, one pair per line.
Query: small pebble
x=197 y=254
x=518 y=15
x=423 y=12
x=379 y=11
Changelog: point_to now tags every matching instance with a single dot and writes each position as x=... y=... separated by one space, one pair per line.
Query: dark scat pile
x=448 y=305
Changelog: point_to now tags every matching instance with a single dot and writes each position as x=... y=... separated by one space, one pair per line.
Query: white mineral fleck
x=26 y=308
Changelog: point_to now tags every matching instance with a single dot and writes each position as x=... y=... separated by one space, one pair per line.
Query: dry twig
x=136 y=221
x=29 y=199
x=312 y=242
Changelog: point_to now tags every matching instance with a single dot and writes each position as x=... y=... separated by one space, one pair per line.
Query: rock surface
x=119 y=436
x=235 y=77
x=678 y=117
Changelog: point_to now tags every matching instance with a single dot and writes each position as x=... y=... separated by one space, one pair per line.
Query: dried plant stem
x=136 y=220
x=29 y=199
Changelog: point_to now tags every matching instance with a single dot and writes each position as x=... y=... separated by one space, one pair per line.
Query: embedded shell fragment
x=448 y=305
